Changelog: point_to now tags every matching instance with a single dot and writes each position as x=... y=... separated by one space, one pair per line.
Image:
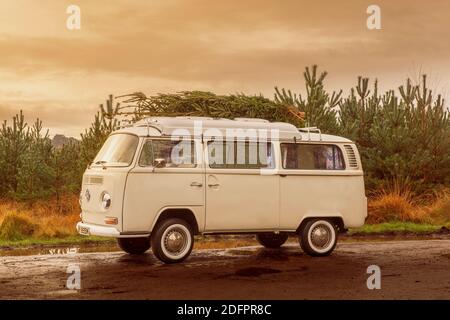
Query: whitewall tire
x=318 y=237
x=172 y=240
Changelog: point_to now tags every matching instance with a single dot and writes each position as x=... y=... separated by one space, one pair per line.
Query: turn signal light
x=110 y=220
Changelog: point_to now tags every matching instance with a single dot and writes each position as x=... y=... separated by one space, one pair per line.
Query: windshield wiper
x=101 y=162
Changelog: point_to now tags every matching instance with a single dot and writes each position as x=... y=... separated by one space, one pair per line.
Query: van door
x=241 y=194
x=177 y=182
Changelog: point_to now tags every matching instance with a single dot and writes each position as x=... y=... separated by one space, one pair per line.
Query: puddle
x=255 y=271
x=241 y=252
x=57 y=250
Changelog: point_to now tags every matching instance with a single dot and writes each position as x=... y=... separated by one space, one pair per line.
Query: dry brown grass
x=48 y=219
x=41 y=219
x=394 y=205
x=225 y=242
x=439 y=211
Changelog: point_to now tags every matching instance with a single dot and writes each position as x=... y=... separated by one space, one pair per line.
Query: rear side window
x=312 y=156
x=176 y=154
x=240 y=155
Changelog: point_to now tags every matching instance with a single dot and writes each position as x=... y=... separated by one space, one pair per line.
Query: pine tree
x=14 y=140
x=318 y=106
x=207 y=104
x=403 y=140
x=105 y=122
x=34 y=172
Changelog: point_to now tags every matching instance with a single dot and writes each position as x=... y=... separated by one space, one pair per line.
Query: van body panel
x=97 y=180
x=224 y=200
x=318 y=195
x=148 y=193
x=241 y=201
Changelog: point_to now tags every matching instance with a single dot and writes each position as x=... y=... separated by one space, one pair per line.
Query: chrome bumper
x=87 y=229
x=94 y=230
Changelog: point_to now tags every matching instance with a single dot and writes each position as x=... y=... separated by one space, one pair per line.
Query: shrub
x=393 y=206
x=439 y=211
x=17 y=226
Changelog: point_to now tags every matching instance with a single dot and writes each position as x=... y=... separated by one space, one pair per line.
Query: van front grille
x=352 y=161
x=93 y=180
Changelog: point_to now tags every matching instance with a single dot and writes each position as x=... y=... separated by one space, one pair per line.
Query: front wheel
x=272 y=240
x=318 y=237
x=172 y=240
x=134 y=245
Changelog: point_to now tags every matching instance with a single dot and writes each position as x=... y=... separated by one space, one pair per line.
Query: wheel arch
x=337 y=220
x=184 y=213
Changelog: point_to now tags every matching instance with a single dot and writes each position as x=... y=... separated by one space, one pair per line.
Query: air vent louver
x=92 y=180
x=352 y=161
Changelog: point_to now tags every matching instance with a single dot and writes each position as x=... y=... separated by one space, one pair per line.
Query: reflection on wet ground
x=410 y=269
x=57 y=250
x=234 y=245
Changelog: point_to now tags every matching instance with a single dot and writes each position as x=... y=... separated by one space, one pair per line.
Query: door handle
x=196 y=184
x=213 y=185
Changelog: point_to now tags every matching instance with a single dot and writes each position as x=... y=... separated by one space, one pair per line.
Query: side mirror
x=159 y=163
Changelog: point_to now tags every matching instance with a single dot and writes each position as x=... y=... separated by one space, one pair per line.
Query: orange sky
x=229 y=46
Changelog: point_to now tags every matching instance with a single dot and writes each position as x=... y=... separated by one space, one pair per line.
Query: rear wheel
x=272 y=240
x=172 y=240
x=318 y=237
x=134 y=245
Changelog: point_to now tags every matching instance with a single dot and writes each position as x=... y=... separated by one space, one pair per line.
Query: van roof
x=238 y=127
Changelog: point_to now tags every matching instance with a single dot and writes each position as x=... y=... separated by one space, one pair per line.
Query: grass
x=402 y=206
x=39 y=222
x=396 y=227
x=52 y=223
x=70 y=240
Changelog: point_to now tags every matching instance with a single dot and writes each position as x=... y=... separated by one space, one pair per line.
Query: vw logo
x=87 y=194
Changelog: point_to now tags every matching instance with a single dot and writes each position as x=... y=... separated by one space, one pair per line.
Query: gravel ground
x=415 y=269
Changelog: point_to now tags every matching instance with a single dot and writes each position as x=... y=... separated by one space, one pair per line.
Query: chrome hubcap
x=321 y=236
x=175 y=241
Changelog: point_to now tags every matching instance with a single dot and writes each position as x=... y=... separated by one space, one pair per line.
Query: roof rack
x=311 y=129
x=125 y=123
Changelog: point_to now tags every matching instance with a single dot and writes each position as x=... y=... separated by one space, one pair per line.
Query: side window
x=312 y=156
x=146 y=158
x=240 y=155
x=176 y=154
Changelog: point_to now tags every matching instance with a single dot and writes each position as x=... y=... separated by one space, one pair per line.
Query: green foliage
x=14 y=141
x=67 y=169
x=105 y=121
x=207 y=104
x=403 y=136
x=395 y=227
x=318 y=105
x=30 y=167
x=34 y=172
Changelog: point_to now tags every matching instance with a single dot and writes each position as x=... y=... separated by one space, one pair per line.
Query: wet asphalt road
x=418 y=269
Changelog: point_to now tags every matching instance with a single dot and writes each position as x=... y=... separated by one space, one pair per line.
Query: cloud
x=222 y=46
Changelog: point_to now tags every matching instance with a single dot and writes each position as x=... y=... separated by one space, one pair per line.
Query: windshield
x=118 y=150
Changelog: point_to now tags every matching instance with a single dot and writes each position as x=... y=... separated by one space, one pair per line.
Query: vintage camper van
x=163 y=180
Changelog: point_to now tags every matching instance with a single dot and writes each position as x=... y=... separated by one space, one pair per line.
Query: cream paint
x=226 y=200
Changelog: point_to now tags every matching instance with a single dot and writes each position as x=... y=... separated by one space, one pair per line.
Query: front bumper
x=94 y=230
x=87 y=229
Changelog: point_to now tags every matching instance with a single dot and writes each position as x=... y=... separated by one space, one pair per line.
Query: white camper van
x=163 y=180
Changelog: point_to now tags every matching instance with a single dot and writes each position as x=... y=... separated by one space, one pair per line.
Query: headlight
x=106 y=200
x=80 y=199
